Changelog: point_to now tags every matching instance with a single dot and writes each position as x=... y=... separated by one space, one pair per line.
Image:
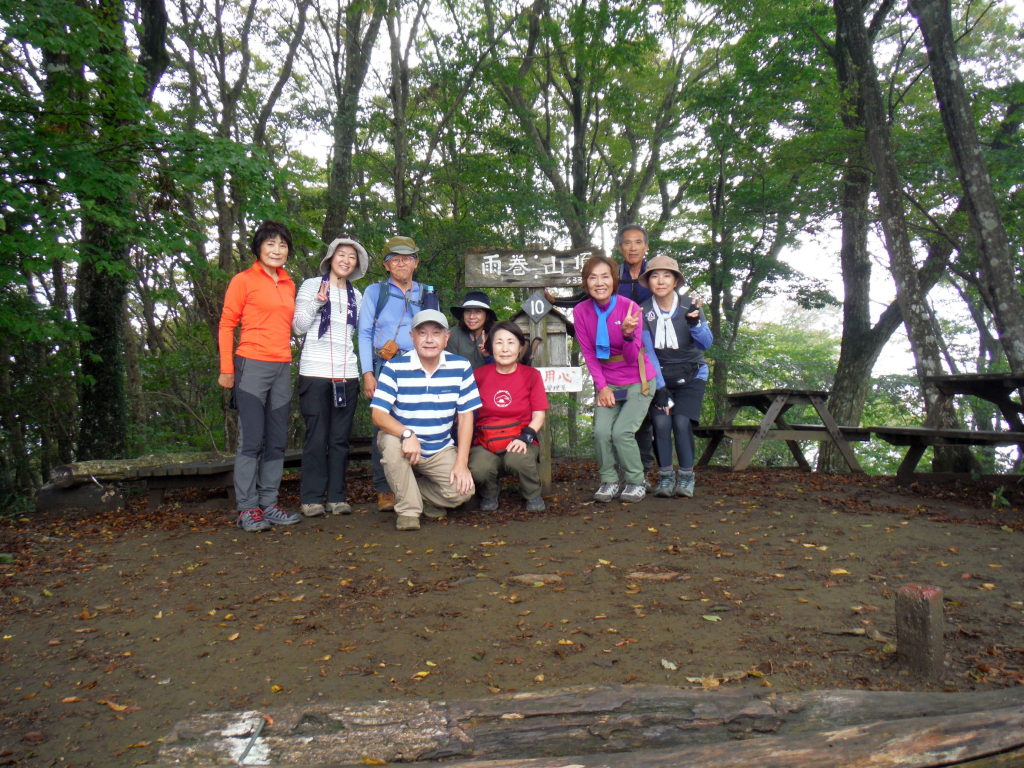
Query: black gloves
x=660 y=398
x=692 y=321
x=528 y=435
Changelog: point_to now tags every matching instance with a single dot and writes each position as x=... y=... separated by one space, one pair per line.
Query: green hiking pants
x=615 y=433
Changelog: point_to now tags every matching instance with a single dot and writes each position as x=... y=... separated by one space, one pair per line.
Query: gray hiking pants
x=263 y=392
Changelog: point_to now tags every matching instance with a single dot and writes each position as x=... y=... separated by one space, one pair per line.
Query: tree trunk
x=357 y=50
x=910 y=294
x=102 y=283
x=101 y=289
x=995 y=261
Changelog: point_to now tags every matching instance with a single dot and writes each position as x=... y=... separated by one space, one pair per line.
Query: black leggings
x=678 y=422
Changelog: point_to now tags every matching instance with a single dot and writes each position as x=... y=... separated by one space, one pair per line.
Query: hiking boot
x=407 y=523
x=251 y=521
x=535 y=505
x=385 y=502
x=434 y=513
x=666 y=484
x=684 y=484
x=339 y=508
x=607 y=492
x=632 y=493
x=313 y=510
x=489 y=505
x=277 y=516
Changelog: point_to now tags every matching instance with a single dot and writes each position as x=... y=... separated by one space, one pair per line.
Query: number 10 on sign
x=536 y=306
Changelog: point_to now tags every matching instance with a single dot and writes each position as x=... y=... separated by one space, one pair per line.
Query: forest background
x=143 y=141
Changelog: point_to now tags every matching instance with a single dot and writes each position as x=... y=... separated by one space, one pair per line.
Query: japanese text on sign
x=541 y=268
x=562 y=379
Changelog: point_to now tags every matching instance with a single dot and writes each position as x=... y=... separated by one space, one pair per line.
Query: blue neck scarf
x=601 y=341
x=325 y=310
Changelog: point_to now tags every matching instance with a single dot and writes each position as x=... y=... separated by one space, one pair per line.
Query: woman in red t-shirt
x=514 y=406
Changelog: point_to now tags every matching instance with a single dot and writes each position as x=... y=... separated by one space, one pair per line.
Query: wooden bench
x=793 y=433
x=774 y=404
x=918 y=439
x=218 y=473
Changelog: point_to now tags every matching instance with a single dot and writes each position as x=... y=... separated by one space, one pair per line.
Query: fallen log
x=109 y=470
x=569 y=722
x=969 y=741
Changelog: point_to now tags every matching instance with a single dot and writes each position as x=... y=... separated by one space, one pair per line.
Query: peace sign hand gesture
x=630 y=322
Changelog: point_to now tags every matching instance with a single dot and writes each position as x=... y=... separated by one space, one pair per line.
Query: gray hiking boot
x=407 y=523
x=632 y=493
x=607 y=492
x=434 y=513
x=666 y=484
x=489 y=505
x=313 y=510
x=339 y=508
x=684 y=484
x=251 y=521
x=535 y=505
x=277 y=516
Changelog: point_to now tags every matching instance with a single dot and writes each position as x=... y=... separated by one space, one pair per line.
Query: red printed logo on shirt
x=502 y=398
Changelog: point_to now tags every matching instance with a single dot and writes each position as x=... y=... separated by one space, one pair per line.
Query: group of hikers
x=453 y=409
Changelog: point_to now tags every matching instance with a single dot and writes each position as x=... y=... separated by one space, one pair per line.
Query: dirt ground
x=116 y=626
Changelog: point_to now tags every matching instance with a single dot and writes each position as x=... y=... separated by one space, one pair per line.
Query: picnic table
x=773 y=404
x=997 y=388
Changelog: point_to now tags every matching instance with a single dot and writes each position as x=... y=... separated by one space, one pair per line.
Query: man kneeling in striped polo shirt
x=414 y=406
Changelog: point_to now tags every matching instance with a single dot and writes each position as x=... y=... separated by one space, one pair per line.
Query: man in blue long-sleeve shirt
x=386 y=334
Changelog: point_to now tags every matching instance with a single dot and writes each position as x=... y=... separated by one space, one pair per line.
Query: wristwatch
x=406 y=434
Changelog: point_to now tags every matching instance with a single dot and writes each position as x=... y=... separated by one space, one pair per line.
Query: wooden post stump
x=919 y=622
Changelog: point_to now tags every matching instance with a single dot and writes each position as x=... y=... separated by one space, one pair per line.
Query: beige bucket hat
x=660 y=262
x=361 y=254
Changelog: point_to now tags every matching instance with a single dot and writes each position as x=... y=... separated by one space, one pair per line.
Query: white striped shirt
x=316 y=352
x=426 y=403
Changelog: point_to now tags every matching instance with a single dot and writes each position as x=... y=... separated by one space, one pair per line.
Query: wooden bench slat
x=942 y=436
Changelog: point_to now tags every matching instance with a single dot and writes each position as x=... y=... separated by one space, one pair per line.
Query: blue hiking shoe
x=684 y=484
x=277 y=516
x=666 y=486
x=251 y=521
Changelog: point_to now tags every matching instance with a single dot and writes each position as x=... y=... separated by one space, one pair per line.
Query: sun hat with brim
x=429 y=316
x=403 y=246
x=362 y=256
x=666 y=263
x=475 y=300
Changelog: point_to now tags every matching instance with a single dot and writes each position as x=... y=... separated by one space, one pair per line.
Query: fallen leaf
x=85 y=615
x=670 y=665
x=539 y=679
x=234 y=637
x=139 y=745
x=275 y=689
x=712 y=618
x=373 y=761
x=420 y=675
x=159 y=615
x=839 y=571
x=298 y=599
x=70 y=700
x=113 y=705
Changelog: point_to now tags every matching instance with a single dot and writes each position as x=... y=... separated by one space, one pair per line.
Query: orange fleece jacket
x=265 y=309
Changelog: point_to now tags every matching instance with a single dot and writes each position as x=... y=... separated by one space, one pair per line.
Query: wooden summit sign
x=530 y=268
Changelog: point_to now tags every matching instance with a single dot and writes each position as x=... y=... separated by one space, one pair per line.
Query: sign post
x=537 y=268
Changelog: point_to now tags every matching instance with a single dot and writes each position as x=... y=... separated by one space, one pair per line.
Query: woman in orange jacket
x=259 y=373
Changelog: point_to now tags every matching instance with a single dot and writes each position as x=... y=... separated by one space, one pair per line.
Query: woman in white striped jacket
x=326 y=311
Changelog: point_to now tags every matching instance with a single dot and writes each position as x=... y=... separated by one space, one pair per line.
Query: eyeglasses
x=400 y=258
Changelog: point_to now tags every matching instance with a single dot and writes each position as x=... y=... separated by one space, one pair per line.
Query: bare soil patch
x=116 y=626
